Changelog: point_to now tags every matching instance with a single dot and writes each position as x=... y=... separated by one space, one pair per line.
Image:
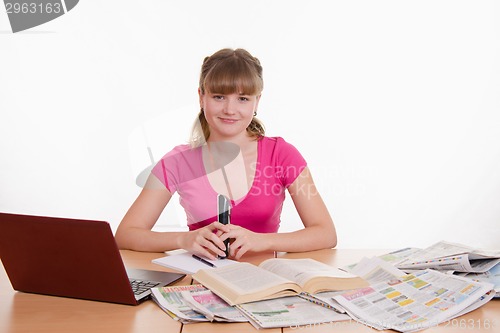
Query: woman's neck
x=244 y=141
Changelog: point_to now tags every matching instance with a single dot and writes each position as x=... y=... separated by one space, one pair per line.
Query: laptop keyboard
x=140 y=286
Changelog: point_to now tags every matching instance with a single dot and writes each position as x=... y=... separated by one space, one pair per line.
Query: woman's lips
x=228 y=120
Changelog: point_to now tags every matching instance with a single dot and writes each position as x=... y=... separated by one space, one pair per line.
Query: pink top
x=278 y=165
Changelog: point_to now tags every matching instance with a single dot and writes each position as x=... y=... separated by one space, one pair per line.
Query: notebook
x=71 y=258
x=184 y=262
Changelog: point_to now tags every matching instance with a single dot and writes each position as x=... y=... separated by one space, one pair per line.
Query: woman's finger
x=219 y=226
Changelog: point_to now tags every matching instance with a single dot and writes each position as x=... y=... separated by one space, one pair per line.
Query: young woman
x=229 y=154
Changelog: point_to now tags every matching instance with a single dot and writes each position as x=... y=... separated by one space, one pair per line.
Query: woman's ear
x=200 y=95
x=257 y=104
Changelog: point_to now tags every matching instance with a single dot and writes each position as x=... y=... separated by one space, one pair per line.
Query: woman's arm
x=318 y=233
x=134 y=231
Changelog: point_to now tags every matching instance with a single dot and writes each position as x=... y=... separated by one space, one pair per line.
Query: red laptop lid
x=63 y=257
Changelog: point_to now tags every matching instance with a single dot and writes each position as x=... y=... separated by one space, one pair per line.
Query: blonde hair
x=229 y=71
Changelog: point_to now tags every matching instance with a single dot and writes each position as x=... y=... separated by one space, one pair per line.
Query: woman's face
x=228 y=115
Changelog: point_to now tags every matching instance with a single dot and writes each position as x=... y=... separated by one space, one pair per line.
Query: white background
x=395 y=105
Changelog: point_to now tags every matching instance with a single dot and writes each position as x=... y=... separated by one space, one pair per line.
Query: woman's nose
x=230 y=107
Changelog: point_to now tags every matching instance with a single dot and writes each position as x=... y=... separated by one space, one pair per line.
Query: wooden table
x=21 y=312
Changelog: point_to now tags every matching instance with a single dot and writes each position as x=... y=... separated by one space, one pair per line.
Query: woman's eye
x=244 y=99
x=218 y=97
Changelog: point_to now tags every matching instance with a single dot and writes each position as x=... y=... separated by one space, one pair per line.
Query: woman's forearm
x=307 y=239
x=138 y=239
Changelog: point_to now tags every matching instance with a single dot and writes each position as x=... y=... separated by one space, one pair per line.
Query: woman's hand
x=205 y=241
x=244 y=240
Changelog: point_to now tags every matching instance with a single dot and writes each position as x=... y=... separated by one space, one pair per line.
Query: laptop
x=72 y=258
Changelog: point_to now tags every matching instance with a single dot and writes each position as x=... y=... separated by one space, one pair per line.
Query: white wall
x=395 y=105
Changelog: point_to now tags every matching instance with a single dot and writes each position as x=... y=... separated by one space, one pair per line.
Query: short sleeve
x=182 y=164
x=290 y=162
x=163 y=171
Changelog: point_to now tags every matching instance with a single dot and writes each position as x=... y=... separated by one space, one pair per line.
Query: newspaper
x=395 y=257
x=451 y=257
x=291 y=311
x=415 y=301
x=374 y=270
x=392 y=258
x=171 y=301
x=394 y=300
x=212 y=306
x=491 y=276
x=195 y=303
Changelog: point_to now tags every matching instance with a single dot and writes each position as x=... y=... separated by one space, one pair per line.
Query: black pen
x=224 y=216
x=203 y=260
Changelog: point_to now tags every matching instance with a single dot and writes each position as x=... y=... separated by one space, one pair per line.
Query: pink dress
x=278 y=165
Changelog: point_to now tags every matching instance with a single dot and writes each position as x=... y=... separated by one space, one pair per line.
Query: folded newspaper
x=491 y=276
x=195 y=303
x=451 y=257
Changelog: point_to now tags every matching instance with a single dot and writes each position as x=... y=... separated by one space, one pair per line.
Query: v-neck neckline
x=255 y=176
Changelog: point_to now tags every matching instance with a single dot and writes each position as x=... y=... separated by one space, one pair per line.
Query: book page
x=302 y=270
x=246 y=278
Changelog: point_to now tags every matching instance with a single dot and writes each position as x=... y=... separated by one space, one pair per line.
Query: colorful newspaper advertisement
x=374 y=270
x=415 y=301
x=171 y=301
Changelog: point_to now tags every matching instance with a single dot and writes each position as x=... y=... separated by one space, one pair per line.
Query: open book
x=273 y=278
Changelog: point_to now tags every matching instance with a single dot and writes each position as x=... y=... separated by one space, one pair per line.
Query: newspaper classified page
x=416 y=301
